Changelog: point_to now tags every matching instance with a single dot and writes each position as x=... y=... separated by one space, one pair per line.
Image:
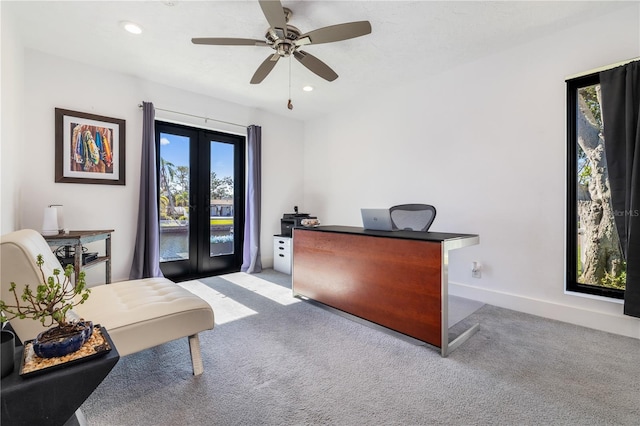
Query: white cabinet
x=282 y=254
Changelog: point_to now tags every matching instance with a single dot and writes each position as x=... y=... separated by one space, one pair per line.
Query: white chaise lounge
x=138 y=314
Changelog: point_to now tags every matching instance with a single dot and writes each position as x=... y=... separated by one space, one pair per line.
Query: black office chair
x=413 y=217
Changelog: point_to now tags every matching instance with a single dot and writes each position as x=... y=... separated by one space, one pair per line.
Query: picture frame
x=89 y=148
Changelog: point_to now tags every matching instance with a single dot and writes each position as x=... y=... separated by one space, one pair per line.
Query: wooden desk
x=76 y=239
x=398 y=280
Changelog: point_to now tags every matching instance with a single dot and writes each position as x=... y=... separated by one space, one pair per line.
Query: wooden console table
x=397 y=280
x=76 y=239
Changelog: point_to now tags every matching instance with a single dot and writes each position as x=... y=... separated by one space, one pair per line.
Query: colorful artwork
x=89 y=148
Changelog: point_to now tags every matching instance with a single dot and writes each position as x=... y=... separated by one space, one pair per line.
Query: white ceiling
x=410 y=40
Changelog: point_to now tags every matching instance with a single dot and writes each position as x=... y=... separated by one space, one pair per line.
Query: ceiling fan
x=287 y=40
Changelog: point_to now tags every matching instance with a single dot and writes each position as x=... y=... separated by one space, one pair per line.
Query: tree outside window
x=594 y=257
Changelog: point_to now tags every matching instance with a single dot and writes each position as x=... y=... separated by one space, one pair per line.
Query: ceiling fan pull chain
x=289 y=104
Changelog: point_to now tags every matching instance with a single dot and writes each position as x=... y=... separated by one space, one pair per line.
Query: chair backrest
x=413 y=217
x=18 y=253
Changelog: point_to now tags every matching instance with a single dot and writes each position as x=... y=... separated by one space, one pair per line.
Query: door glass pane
x=222 y=208
x=174 y=197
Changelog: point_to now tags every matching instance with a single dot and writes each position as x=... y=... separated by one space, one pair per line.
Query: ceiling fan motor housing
x=283 y=45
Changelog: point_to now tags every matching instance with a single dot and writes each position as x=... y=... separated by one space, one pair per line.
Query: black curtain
x=621 y=118
x=146 y=253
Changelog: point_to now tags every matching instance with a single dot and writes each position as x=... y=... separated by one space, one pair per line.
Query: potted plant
x=50 y=303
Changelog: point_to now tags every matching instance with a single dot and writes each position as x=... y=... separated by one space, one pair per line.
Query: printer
x=292 y=220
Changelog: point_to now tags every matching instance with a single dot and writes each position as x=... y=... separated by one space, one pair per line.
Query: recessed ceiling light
x=131 y=27
x=307 y=88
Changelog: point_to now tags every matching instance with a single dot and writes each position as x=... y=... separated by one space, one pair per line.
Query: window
x=595 y=264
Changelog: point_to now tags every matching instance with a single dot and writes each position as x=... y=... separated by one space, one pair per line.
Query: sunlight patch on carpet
x=225 y=309
x=264 y=288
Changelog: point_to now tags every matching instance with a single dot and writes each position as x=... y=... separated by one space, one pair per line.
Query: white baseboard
x=612 y=322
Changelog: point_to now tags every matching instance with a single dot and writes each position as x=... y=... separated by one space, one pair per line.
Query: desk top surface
x=407 y=235
x=78 y=234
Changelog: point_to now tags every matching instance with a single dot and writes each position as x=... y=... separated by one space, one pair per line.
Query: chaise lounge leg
x=196 y=356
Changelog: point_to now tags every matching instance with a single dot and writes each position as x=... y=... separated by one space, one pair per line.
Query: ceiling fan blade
x=315 y=65
x=274 y=12
x=265 y=68
x=333 y=33
x=219 y=41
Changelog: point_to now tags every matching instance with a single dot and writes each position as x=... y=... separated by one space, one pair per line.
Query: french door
x=201 y=200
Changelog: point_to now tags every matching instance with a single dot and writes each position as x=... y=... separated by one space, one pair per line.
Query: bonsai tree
x=50 y=302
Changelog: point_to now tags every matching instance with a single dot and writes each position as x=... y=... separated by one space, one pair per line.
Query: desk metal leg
x=448 y=347
x=77 y=261
x=108 y=261
x=462 y=338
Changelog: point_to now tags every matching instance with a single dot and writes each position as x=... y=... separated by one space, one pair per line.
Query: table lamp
x=50 y=221
x=60 y=210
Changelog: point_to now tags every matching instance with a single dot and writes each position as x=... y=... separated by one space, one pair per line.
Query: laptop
x=376 y=219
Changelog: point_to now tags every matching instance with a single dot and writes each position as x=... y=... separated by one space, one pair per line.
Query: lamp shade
x=60 y=209
x=50 y=221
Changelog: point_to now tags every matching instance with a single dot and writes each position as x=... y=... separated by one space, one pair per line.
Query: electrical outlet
x=476 y=271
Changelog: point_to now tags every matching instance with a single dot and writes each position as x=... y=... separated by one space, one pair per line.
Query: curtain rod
x=197 y=116
x=604 y=68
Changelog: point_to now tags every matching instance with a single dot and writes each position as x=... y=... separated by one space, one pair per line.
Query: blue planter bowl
x=64 y=345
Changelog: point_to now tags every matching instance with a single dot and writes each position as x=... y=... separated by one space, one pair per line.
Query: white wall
x=485 y=143
x=51 y=82
x=11 y=86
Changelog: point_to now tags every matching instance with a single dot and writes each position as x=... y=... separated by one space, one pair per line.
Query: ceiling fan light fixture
x=131 y=27
x=278 y=33
x=303 y=41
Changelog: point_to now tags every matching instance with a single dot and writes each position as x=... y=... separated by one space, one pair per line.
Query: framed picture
x=89 y=148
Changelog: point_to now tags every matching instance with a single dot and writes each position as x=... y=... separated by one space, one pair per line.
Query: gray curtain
x=251 y=248
x=146 y=254
x=621 y=118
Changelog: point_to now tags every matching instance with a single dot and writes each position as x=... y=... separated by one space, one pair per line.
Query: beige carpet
x=272 y=362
